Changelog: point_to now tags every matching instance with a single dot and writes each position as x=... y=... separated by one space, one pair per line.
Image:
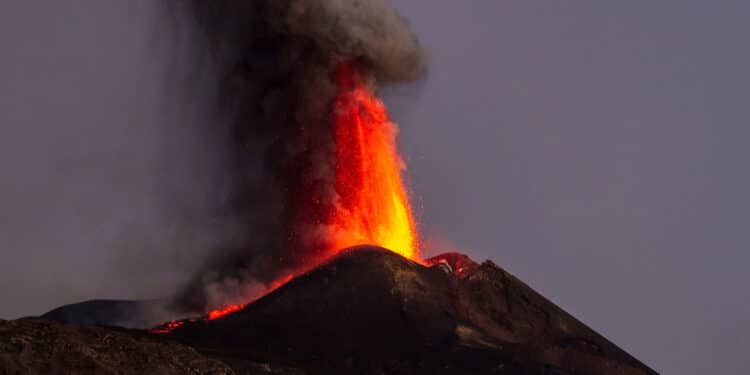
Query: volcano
x=329 y=234
x=371 y=311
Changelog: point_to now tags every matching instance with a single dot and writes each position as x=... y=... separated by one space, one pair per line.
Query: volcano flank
x=370 y=311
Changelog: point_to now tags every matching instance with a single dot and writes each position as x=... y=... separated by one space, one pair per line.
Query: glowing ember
x=216 y=314
x=373 y=206
x=169 y=326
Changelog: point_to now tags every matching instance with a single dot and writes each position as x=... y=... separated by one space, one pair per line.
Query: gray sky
x=596 y=149
x=108 y=153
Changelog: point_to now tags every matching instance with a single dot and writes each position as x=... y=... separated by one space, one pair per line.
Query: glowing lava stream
x=373 y=206
x=219 y=313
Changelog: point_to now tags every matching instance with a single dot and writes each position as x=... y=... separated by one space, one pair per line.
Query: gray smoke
x=369 y=30
x=281 y=57
x=150 y=145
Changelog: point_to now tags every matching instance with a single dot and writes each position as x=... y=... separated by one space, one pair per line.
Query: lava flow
x=221 y=312
x=226 y=310
x=373 y=206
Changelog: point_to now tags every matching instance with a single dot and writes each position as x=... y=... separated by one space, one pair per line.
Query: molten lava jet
x=373 y=205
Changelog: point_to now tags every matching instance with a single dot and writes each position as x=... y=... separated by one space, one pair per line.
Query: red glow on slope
x=216 y=314
x=372 y=206
x=224 y=311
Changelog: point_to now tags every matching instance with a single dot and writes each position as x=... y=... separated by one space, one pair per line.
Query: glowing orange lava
x=226 y=310
x=222 y=312
x=373 y=204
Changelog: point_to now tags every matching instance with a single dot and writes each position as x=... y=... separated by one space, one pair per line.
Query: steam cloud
x=279 y=56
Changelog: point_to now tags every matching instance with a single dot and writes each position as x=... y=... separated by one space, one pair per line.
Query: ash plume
x=279 y=57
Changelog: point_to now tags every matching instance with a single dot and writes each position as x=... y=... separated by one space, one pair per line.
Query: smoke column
x=281 y=59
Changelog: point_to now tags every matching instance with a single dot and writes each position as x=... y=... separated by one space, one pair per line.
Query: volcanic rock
x=30 y=346
x=366 y=311
x=41 y=347
x=372 y=311
x=123 y=313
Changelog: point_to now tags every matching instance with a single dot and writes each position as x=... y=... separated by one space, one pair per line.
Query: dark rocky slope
x=41 y=347
x=367 y=311
x=372 y=311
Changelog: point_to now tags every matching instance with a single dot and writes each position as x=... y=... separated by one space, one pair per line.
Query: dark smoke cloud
x=369 y=30
x=280 y=56
x=146 y=144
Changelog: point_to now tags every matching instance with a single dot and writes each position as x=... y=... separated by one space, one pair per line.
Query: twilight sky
x=596 y=149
